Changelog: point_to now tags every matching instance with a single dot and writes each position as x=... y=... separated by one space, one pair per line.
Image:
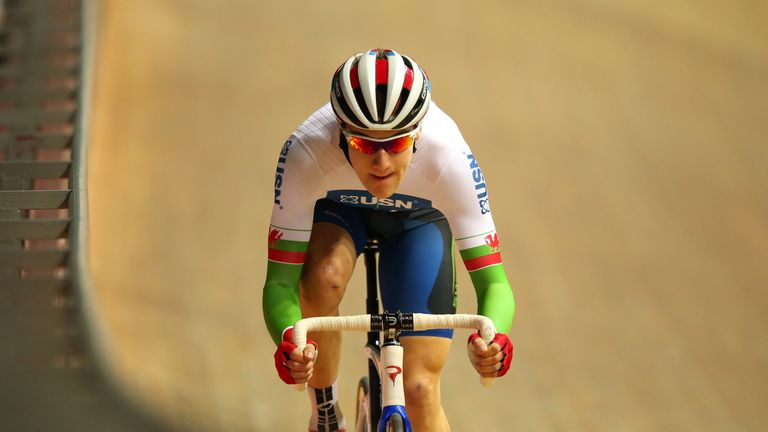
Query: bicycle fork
x=392 y=392
x=389 y=367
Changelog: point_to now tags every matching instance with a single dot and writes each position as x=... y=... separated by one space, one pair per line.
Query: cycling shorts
x=416 y=268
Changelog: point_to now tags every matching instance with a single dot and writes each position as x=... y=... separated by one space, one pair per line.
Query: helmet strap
x=344 y=146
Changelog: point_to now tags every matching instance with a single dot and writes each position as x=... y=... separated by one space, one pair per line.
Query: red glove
x=288 y=352
x=482 y=360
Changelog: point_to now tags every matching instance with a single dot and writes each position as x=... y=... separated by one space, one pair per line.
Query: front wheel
x=395 y=424
x=362 y=411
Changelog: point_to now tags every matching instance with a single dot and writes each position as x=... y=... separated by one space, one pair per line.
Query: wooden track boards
x=625 y=149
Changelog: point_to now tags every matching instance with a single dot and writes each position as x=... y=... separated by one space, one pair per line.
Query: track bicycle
x=383 y=406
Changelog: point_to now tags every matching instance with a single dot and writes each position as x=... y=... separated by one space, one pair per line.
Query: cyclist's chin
x=382 y=188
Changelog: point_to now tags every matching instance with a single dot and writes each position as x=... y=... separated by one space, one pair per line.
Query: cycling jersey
x=443 y=174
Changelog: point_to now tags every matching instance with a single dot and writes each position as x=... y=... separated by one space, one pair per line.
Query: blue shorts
x=416 y=268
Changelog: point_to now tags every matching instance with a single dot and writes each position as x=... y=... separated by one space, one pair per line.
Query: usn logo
x=363 y=200
x=482 y=190
x=281 y=170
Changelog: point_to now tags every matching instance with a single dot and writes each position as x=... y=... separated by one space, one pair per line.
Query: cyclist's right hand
x=294 y=366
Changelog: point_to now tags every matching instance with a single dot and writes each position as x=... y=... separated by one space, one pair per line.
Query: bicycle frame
x=391 y=353
x=373 y=347
x=385 y=362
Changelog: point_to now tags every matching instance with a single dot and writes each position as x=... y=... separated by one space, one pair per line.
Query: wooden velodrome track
x=625 y=144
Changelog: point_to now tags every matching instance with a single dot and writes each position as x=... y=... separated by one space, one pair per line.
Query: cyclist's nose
x=381 y=160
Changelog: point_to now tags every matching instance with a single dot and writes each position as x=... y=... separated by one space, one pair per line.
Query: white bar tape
x=345 y=323
x=306 y=325
x=482 y=324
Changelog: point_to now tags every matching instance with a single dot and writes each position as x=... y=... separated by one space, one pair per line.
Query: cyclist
x=383 y=161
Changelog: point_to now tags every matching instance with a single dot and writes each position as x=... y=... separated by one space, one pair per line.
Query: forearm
x=494 y=296
x=280 y=299
x=498 y=303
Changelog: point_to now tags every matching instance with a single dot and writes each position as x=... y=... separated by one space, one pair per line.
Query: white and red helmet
x=380 y=90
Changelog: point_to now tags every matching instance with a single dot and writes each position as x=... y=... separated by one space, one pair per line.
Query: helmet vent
x=380 y=90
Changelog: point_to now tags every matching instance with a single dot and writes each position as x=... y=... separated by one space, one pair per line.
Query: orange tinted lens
x=370 y=147
x=362 y=145
x=398 y=144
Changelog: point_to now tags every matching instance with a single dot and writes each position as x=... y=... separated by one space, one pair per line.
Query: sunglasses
x=393 y=144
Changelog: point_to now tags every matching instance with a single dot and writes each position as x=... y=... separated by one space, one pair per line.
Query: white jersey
x=443 y=174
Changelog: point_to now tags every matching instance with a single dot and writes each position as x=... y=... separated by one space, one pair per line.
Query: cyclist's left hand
x=490 y=361
x=294 y=366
